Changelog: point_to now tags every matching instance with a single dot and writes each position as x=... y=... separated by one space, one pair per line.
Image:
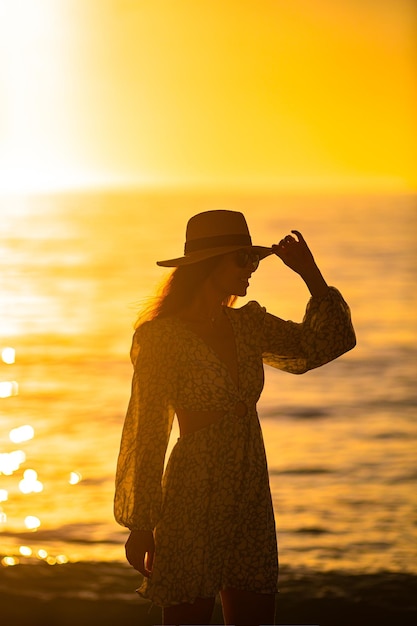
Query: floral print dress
x=211 y=510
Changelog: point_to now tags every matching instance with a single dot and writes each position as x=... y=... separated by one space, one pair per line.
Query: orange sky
x=307 y=94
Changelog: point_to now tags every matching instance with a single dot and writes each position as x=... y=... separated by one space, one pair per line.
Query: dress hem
x=191 y=598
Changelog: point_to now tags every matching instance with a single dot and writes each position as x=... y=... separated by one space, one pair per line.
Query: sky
x=307 y=94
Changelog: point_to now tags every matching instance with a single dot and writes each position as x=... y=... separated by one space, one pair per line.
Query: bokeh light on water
x=11 y=461
x=75 y=478
x=8 y=388
x=22 y=434
x=8 y=355
x=30 y=482
x=32 y=522
x=28 y=485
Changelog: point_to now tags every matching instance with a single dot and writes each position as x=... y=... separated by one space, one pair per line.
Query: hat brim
x=202 y=255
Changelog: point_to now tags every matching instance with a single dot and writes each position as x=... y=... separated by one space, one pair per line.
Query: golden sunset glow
x=140 y=114
x=304 y=95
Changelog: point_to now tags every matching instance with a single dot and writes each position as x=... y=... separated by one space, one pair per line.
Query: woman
x=206 y=524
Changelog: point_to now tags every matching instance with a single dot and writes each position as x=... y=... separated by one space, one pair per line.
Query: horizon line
x=207 y=187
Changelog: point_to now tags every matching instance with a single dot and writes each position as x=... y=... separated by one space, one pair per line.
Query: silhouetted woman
x=206 y=524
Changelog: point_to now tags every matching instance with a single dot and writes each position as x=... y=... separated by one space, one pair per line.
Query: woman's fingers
x=287 y=241
x=145 y=572
x=149 y=560
x=299 y=235
x=140 y=566
x=294 y=252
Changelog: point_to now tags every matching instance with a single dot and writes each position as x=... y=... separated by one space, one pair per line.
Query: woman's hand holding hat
x=296 y=254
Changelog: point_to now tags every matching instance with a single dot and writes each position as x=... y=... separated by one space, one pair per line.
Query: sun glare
x=302 y=94
x=38 y=141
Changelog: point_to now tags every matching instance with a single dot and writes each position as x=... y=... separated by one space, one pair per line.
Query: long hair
x=178 y=290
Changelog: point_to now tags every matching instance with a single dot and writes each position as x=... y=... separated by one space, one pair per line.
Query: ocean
x=341 y=440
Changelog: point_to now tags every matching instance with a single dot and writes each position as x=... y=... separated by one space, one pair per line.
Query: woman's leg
x=247 y=608
x=199 y=612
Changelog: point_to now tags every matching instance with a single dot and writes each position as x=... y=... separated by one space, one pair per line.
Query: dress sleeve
x=325 y=333
x=146 y=431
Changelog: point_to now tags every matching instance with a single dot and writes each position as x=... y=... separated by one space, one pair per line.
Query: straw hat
x=214 y=233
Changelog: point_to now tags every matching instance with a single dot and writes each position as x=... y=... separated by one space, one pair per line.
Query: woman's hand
x=297 y=255
x=140 y=550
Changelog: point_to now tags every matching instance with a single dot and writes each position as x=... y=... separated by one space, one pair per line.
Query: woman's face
x=231 y=275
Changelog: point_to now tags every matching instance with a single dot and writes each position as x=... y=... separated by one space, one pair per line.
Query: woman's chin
x=241 y=292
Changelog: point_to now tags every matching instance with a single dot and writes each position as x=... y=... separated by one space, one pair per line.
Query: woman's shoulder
x=154 y=326
x=249 y=318
x=250 y=310
x=156 y=335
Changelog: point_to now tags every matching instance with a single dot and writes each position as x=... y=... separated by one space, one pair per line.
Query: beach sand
x=103 y=594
